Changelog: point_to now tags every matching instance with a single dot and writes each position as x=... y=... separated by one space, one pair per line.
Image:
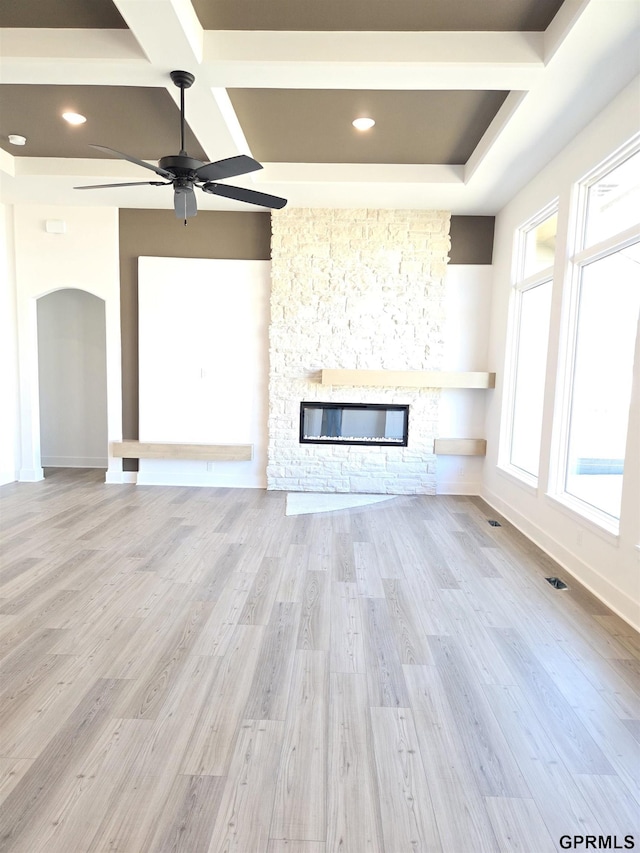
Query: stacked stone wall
x=354 y=289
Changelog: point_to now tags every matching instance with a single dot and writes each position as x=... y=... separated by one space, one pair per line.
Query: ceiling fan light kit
x=184 y=172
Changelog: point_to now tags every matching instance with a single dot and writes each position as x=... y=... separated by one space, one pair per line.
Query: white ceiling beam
x=57 y=44
x=493 y=132
x=7 y=163
x=171 y=36
x=564 y=21
x=168 y=31
x=373 y=60
x=355 y=173
x=228 y=113
x=114 y=169
x=258 y=59
x=348 y=47
x=346 y=185
x=77 y=167
x=401 y=195
x=59 y=57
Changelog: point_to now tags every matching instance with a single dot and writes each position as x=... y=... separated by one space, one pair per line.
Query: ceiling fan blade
x=229 y=168
x=131 y=184
x=112 y=151
x=184 y=203
x=242 y=194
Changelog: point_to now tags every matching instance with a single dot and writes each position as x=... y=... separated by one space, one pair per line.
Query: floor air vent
x=556 y=583
x=494 y=523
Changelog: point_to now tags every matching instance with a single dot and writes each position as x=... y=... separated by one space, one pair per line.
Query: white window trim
x=606 y=247
x=579 y=257
x=519 y=286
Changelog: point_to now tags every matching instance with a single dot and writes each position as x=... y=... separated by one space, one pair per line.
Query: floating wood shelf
x=202 y=452
x=460 y=447
x=409 y=378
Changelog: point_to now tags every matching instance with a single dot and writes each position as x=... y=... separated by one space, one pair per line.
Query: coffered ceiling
x=470 y=98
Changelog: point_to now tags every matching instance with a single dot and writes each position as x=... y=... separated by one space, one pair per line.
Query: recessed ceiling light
x=17 y=139
x=74 y=118
x=363 y=123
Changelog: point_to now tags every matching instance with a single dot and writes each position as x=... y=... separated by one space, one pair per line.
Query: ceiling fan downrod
x=183 y=80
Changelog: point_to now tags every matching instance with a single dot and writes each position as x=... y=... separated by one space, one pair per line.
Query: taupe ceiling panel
x=314 y=126
x=331 y=15
x=377 y=15
x=68 y=14
x=144 y=122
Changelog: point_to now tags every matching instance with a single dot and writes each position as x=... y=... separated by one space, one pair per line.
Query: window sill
x=597 y=522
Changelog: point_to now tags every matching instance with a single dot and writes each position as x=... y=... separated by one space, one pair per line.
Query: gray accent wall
x=471 y=239
x=157 y=233
x=224 y=234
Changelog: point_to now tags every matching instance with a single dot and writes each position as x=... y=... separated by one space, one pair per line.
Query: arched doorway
x=72 y=379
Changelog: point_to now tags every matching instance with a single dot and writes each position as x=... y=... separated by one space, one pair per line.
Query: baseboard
x=120 y=477
x=74 y=461
x=205 y=480
x=7 y=477
x=618 y=601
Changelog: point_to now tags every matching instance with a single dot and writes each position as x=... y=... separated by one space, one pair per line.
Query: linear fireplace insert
x=354 y=423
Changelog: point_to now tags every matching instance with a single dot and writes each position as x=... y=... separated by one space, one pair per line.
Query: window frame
x=520 y=285
x=579 y=257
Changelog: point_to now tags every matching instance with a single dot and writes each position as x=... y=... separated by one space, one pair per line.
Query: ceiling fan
x=184 y=172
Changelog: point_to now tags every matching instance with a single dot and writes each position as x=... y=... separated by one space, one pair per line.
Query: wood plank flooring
x=191 y=670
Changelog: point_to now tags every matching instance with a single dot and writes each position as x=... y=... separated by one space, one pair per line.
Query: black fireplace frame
x=381 y=442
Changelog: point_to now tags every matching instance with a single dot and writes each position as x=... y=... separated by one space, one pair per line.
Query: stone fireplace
x=361 y=290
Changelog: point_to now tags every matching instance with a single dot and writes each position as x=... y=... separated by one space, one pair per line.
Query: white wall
x=466 y=344
x=608 y=565
x=84 y=257
x=203 y=362
x=9 y=413
x=72 y=370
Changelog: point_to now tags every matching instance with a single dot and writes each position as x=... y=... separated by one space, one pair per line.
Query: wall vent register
x=354 y=423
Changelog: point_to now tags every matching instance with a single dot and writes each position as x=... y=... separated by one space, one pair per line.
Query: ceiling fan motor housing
x=180 y=165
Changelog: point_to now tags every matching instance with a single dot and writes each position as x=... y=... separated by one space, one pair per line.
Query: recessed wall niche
x=203 y=339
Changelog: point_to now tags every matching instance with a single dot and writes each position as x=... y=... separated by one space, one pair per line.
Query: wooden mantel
x=206 y=452
x=409 y=378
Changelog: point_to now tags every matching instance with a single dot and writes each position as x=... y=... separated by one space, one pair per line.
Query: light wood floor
x=191 y=670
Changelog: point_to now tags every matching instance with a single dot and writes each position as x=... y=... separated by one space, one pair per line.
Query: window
x=539 y=245
x=526 y=367
x=531 y=360
x=606 y=304
x=613 y=201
